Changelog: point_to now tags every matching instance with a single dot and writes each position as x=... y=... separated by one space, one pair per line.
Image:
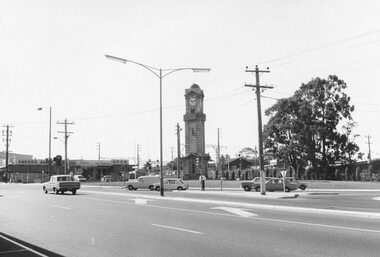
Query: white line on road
x=140 y=201
x=320 y=225
x=23 y=246
x=237 y=211
x=376 y=198
x=61 y=207
x=180 y=229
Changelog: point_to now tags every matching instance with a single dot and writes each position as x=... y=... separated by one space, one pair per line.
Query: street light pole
x=160 y=73
x=161 y=141
x=49 y=161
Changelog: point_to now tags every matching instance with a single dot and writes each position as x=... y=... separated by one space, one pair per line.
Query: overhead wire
x=320 y=47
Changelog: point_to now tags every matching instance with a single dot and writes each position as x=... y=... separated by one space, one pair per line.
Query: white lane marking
x=60 y=207
x=140 y=201
x=320 y=225
x=23 y=246
x=376 y=198
x=237 y=211
x=180 y=229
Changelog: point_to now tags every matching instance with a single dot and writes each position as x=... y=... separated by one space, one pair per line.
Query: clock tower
x=195 y=161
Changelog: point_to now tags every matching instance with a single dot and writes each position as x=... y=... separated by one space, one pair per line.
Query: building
x=35 y=170
x=195 y=160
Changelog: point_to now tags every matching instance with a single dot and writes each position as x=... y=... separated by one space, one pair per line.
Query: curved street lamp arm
x=149 y=68
x=170 y=71
x=174 y=70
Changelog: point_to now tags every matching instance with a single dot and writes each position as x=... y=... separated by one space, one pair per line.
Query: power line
x=320 y=47
x=328 y=53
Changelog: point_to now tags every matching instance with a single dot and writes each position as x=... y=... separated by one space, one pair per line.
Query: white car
x=143 y=182
x=172 y=184
x=80 y=178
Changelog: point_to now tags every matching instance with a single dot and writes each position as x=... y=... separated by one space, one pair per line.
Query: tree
x=284 y=131
x=148 y=166
x=304 y=127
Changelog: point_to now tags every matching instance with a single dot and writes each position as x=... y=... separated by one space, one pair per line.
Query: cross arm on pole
x=250 y=85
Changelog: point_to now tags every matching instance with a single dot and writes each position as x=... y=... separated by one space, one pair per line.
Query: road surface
x=118 y=222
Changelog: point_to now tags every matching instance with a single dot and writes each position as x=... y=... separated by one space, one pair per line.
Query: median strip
x=374 y=215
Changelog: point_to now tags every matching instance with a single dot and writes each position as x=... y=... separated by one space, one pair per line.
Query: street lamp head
x=201 y=69
x=117 y=59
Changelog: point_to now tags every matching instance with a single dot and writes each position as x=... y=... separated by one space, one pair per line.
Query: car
x=80 y=178
x=277 y=184
x=61 y=184
x=106 y=178
x=248 y=185
x=143 y=182
x=172 y=184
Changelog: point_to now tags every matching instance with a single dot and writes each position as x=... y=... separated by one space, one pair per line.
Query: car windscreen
x=65 y=179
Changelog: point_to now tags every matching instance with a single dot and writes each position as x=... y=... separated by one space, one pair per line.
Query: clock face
x=193 y=101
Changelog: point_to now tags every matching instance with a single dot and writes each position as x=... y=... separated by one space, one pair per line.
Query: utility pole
x=7 y=133
x=369 y=157
x=66 y=138
x=138 y=148
x=369 y=147
x=98 y=148
x=260 y=129
x=218 y=156
x=178 y=151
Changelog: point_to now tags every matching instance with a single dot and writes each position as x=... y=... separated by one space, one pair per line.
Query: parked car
x=80 y=178
x=274 y=184
x=248 y=185
x=106 y=178
x=61 y=183
x=172 y=184
x=143 y=182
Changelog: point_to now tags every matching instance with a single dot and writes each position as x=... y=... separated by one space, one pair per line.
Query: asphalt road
x=116 y=222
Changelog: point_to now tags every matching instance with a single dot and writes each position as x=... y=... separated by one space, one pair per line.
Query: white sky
x=52 y=54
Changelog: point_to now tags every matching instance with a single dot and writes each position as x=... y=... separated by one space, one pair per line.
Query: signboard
x=273 y=162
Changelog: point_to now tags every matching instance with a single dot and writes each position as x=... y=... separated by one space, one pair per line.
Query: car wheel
x=157 y=188
x=302 y=187
x=247 y=188
x=45 y=190
x=130 y=187
x=62 y=192
x=151 y=188
x=287 y=189
x=55 y=191
x=257 y=189
x=179 y=188
x=74 y=192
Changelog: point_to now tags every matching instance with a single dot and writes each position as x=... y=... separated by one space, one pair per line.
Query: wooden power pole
x=260 y=129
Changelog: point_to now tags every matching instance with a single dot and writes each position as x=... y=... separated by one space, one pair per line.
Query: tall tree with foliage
x=305 y=127
x=283 y=131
